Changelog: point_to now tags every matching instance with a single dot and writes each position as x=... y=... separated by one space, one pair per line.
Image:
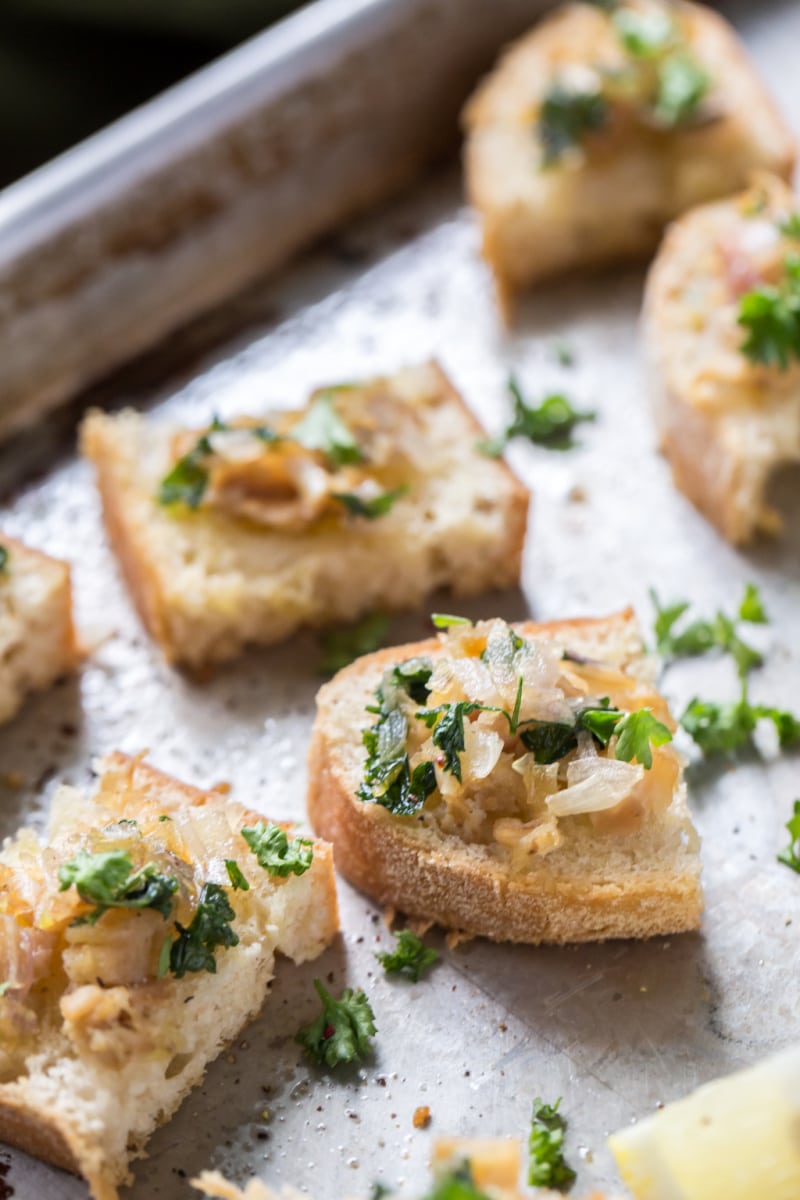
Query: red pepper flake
x=440 y=760
x=328 y=1032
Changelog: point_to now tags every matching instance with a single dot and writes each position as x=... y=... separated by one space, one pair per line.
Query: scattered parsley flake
x=771 y=316
x=187 y=481
x=322 y=429
x=413 y=676
x=456 y=1184
x=447 y=722
x=546 y=1165
x=566 y=118
x=722 y=728
x=700 y=636
x=372 y=508
x=789 y=226
x=751 y=608
x=3 y=560
x=193 y=949
x=445 y=620
x=410 y=957
x=550 y=424
x=342 y=646
x=682 y=86
x=236 y=875
x=790 y=857
x=342 y=1031
x=108 y=880
x=276 y=853
x=644 y=34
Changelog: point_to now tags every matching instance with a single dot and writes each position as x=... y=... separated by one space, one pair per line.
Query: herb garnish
x=388 y=778
x=636 y=732
x=341 y=646
x=789 y=226
x=372 y=508
x=789 y=857
x=236 y=876
x=410 y=957
x=456 y=1184
x=682 y=85
x=644 y=34
x=771 y=315
x=413 y=676
x=108 y=880
x=186 y=483
x=447 y=722
x=566 y=118
x=342 y=1031
x=193 y=949
x=321 y=428
x=720 y=728
x=700 y=636
x=3 y=560
x=445 y=620
x=276 y=853
x=546 y=1165
x=550 y=424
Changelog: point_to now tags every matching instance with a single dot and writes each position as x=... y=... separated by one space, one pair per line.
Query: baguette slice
x=98 y=1045
x=726 y=424
x=494 y=1164
x=209 y=582
x=609 y=196
x=491 y=858
x=37 y=637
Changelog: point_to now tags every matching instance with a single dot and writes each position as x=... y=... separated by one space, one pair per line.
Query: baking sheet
x=615 y=1029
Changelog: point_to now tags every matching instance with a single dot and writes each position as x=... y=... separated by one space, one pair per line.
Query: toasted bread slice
x=494 y=1166
x=580 y=149
x=586 y=848
x=726 y=423
x=277 y=541
x=37 y=637
x=98 y=1046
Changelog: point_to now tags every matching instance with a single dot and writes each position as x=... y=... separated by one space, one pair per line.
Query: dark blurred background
x=68 y=67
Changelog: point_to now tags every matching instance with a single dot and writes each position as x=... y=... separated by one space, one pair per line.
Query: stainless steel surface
x=614 y=1028
x=172 y=209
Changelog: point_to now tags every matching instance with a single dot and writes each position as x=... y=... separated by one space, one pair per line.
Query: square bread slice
x=604 y=123
x=384 y=499
x=727 y=423
x=110 y=926
x=458 y=782
x=37 y=637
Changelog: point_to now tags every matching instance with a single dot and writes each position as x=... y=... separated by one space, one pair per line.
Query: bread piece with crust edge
x=207 y=583
x=90 y=1109
x=633 y=885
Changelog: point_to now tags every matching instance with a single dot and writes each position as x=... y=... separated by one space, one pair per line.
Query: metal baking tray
x=615 y=1029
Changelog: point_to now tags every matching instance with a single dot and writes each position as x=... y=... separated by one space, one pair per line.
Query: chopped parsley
x=445 y=620
x=3 y=559
x=550 y=424
x=722 y=728
x=456 y=1184
x=682 y=86
x=644 y=34
x=186 y=483
x=276 y=852
x=410 y=957
x=108 y=880
x=636 y=733
x=546 y=1165
x=771 y=316
x=566 y=118
x=376 y=506
x=789 y=226
x=388 y=778
x=193 y=949
x=447 y=722
x=790 y=857
x=700 y=636
x=236 y=876
x=322 y=429
x=413 y=676
x=341 y=646
x=342 y=1031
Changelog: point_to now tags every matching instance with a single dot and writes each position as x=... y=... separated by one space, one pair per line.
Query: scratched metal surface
x=615 y=1029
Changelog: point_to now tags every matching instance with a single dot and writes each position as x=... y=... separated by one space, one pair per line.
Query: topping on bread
x=722 y=328
x=513 y=781
x=604 y=123
x=129 y=909
x=244 y=531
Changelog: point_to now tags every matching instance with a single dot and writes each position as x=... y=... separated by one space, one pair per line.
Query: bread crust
x=131 y=540
x=467 y=892
x=45 y=1134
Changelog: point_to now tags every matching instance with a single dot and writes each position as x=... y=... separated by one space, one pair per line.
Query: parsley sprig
x=343 y=1030
x=456 y=1184
x=546 y=1165
x=276 y=852
x=790 y=857
x=770 y=315
x=567 y=117
x=210 y=927
x=550 y=424
x=321 y=428
x=410 y=957
x=388 y=778
x=108 y=880
x=372 y=507
x=677 y=639
x=3 y=559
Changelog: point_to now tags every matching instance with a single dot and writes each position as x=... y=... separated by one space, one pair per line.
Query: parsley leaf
x=410 y=957
x=3 y=560
x=771 y=316
x=376 y=506
x=447 y=722
x=789 y=857
x=790 y=225
x=321 y=428
x=751 y=608
x=193 y=949
x=644 y=34
x=456 y=1184
x=413 y=676
x=722 y=728
x=388 y=779
x=700 y=636
x=551 y=424
x=276 y=853
x=236 y=876
x=546 y=1165
x=341 y=646
x=342 y=1031
x=682 y=85
x=186 y=483
x=637 y=733
x=108 y=880
x=566 y=117
x=445 y=620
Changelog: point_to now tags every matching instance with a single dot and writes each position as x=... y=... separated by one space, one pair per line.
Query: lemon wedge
x=736 y=1138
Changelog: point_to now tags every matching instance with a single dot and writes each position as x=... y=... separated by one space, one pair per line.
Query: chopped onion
x=593 y=785
x=482 y=749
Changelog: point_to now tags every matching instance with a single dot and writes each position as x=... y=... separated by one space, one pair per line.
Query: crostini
x=722 y=334
x=37 y=636
x=604 y=123
x=510 y=781
x=244 y=531
x=143 y=897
